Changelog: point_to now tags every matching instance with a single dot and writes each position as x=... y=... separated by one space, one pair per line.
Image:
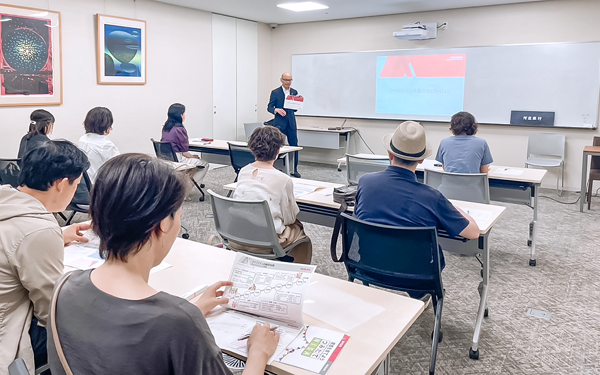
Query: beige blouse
x=272 y=186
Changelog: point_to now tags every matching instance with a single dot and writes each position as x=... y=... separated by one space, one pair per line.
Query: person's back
x=32 y=247
x=95 y=143
x=103 y=334
x=464 y=153
x=40 y=125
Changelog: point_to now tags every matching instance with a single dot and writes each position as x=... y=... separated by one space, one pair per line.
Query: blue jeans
x=38 y=343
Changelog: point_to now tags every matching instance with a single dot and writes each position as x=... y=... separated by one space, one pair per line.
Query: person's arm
x=487 y=159
x=484 y=168
x=111 y=152
x=184 y=142
x=39 y=264
x=271 y=107
x=261 y=346
x=74 y=233
x=472 y=230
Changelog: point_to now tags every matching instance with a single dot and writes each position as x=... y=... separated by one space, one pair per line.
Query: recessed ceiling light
x=302 y=7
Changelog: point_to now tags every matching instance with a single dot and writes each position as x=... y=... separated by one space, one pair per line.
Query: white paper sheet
x=341 y=310
x=508 y=171
x=327 y=191
x=303 y=189
x=481 y=217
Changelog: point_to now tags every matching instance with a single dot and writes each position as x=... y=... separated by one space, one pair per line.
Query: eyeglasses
x=287 y=80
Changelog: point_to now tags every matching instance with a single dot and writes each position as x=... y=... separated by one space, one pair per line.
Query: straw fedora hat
x=408 y=142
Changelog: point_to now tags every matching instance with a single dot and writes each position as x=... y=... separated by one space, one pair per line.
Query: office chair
x=18 y=367
x=471 y=187
x=9 y=171
x=594 y=173
x=397 y=258
x=547 y=150
x=165 y=151
x=81 y=199
x=248 y=223
x=239 y=156
x=250 y=127
x=357 y=166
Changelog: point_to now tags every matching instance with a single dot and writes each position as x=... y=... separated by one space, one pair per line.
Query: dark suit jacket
x=277 y=100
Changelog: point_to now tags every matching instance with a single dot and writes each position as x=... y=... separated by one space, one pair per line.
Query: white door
x=224 y=77
x=247 y=75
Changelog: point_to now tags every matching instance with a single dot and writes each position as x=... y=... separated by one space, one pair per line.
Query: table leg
x=583 y=181
x=288 y=160
x=474 y=351
x=348 y=137
x=533 y=225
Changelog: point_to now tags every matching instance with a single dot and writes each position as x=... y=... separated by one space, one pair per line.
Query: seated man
x=32 y=247
x=395 y=197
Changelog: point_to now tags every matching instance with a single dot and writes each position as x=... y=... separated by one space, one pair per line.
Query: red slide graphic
x=425 y=66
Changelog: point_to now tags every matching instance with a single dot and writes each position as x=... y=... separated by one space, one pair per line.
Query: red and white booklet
x=294 y=102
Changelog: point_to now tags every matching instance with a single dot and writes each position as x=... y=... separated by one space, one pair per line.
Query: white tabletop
x=325 y=129
x=219 y=144
x=195 y=264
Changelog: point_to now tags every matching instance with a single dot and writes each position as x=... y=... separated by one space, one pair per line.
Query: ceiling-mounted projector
x=417 y=31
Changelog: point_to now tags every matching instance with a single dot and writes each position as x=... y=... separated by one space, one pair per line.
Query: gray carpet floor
x=564 y=283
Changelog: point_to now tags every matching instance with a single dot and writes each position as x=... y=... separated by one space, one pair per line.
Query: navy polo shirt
x=395 y=197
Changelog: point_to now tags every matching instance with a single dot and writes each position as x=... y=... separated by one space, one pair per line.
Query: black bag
x=345 y=196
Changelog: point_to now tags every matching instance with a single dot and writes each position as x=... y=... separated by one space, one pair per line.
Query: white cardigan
x=272 y=186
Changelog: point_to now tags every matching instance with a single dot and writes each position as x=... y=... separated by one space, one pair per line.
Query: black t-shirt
x=30 y=143
x=101 y=334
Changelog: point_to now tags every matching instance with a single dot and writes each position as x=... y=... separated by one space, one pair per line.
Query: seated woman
x=174 y=132
x=95 y=143
x=109 y=320
x=464 y=153
x=40 y=125
x=261 y=181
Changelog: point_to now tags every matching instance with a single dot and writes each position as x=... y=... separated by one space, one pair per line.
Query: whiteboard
x=563 y=78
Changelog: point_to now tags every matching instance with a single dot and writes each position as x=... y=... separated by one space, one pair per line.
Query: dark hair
x=463 y=123
x=265 y=143
x=404 y=162
x=40 y=121
x=133 y=193
x=98 y=120
x=174 y=116
x=52 y=161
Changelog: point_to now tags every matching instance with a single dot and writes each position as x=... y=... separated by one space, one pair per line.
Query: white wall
x=179 y=70
x=540 y=22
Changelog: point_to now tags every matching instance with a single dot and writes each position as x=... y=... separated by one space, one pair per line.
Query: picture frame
x=30 y=57
x=121 y=50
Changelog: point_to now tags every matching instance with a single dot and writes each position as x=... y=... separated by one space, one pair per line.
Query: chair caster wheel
x=486 y=313
x=202 y=186
x=185 y=236
x=440 y=338
x=532 y=262
x=473 y=354
x=339 y=169
x=201 y=199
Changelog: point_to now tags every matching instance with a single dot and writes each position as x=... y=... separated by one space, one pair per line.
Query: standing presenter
x=285 y=119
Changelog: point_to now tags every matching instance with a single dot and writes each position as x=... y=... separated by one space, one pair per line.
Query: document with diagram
x=263 y=291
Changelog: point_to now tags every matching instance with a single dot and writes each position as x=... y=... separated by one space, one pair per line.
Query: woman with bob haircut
x=174 y=132
x=109 y=320
x=261 y=181
x=95 y=143
x=464 y=153
x=41 y=123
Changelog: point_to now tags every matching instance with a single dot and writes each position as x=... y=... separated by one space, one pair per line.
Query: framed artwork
x=121 y=51
x=30 y=57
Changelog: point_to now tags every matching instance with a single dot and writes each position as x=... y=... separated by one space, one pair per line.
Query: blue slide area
x=427 y=96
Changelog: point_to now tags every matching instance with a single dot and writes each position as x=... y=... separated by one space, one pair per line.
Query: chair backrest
x=357 y=167
x=595 y=164
x=472 y=187
x=240 y=156
x=398 y=258
x=82 y=194
x=18 y=367
x=546 y=144
x=249 y=223
x=250 y=127
x=164 y=150
x=10 y=169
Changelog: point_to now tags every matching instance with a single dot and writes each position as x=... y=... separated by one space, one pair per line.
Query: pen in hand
x=246 y=336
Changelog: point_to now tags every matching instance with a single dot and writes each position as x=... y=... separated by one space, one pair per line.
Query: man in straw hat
x=395 y=197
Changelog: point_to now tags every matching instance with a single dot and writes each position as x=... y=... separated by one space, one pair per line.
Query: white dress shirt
x=99 y=149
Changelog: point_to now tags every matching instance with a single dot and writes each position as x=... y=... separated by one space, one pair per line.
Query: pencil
x=272 y=329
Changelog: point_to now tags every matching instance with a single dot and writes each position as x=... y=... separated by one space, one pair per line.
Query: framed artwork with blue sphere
x=121 y=51
x=30 y=57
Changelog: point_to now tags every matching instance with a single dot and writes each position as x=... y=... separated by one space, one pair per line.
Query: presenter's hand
x=281 y=112
x=210 y=298
x=73 y=233
x=262 y=342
